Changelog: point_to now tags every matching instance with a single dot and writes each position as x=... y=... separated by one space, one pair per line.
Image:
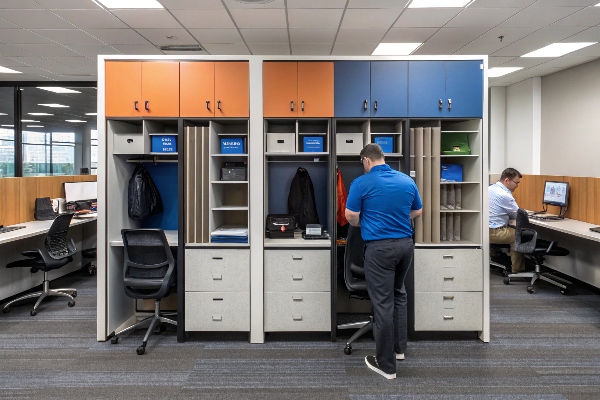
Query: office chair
x=535 y=250
x=148 y=273
x=90 y=267
x=502 y=260
x=57 y=252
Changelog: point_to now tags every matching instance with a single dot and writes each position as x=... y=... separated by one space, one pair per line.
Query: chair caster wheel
x=506 y=280
x=348 y=350
x=33 y=313
x=71 y=303
x=114 y=340
x=564 y=292
x=140 y=350
x=74 y=294
x=530 y=289
x=6 y=310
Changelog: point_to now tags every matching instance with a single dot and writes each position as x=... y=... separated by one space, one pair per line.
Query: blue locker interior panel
x=426 y=86
x=352 y=88
x=389 y=87
x=464 y=85
x=164 y=176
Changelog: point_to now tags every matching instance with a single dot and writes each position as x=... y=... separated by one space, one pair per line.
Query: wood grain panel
x=123 y=88
x=52 y=186
x=232 y=89
x=593 y=203
x=280 y=88
x=160 y=88
x=196 y=88
x=577 y=208
x=85 y=178
x=9 y=201
x=315 y=89
x=28 y=188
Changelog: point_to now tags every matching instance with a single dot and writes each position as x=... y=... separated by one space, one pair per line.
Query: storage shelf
x=459 y=155
x=444 y=210
x=200 y=245
x=162 y=134
x=456 y=243
x=232 y=134
x=230 y=208
x=460 y=132
x=229 y=155
x=459 y=183
x=163 y=154
x=229 y=182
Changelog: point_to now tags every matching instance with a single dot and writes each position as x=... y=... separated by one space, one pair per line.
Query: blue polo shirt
x=384 y=197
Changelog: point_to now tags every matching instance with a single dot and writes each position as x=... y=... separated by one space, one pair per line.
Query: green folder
x=455 y=143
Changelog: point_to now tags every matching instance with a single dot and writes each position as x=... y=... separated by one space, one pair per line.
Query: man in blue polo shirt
x=383 y=202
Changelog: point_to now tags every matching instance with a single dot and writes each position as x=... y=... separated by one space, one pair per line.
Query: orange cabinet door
x=315 y=89
x=232 y=89
x=160 y=89
x=280 y=89
x=123 y=89
x=197 y=89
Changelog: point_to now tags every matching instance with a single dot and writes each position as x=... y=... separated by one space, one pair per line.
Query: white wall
x=497 y=129
x=570 y=129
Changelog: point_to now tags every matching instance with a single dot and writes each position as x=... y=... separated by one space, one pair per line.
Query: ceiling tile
x=552 y=35
x=68 y=36
x=314 y=49
x=568 y=61
x=35 y=19
x=377 y=3
x=34 y=74
x=358 y=49
x=4 y=24
x=426 y=17
x=259 y=18
x=9 y=62
x=62 y=70
x=27 y=70
x=409 y=35
x=503 y=3
x=94 y=50
x=151 y=19
x=21 y=36
x=217 y=35
x=232 y=4
x=192 y=4
x=75 y=62
x=498 y=61
x=8 y=50
x=68 y=4
x=312 y=35
x=185 y=53
x=533 y=17
x=586 y=17
x=314 y=18
x=136 y=49
x=360 y=35
x=564 y=3
x=265 y=35
x=591 y=51
x=480 y=48
x=49 y=50
x=316 y=4
x=91 y=19
x=270 y=49
x=519 y=48
x=26 y=4
x=369 y=18
x=457 y=35
x=159 y=36
x=509 y=35
x=117 y=36
x=524 y=62
x=434 y=49
x=204 y=19
x=226 y=49
x=486 y=17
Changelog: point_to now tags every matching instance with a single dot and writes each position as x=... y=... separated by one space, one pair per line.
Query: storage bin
x=164 y=144
x=312 y=144
x=129 y=143
x=281 y=142
x=351 y=143
x=386 y=143
x=232 y=145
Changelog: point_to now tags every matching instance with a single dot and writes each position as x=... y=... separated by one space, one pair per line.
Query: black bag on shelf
x=43 y=209
x=301 y=200
x=143 y=198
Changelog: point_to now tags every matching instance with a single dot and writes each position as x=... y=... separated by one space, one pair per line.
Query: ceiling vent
x=254 y=1
x=181 y=47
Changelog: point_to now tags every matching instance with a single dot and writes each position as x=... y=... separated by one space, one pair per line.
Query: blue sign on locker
x=313 y=144
x=164 y=144
x=386 y=143
x=232 y=145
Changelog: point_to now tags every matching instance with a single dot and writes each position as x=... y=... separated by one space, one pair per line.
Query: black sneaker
x=371 y=362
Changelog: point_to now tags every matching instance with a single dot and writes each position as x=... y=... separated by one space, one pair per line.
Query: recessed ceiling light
x=74 y=120
x=501 y=71
x=254 y=1
x=29 y=120
x=130 y=3
x=558 y=49
x=8 y=126
x=181 y=47
x=35 y=126
x=395 y=49
x=39 y=114
x=53 y=105
x=58 y=89
x=438 y=3
x=4 y=70
x=91 y=113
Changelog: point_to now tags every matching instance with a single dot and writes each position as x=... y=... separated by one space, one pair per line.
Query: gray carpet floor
x=543 y=346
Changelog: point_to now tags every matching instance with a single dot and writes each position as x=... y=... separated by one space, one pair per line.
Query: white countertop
x=34 y=228
x=569 y=226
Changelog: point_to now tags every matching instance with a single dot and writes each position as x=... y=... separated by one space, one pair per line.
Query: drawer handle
x=219 y=105
x=448 y=297
x=208 y=105
x=129 y=140
x=297 y=277
x=217 y=318
x=135 y=105
x=297 y=317
x=448 y=256
x=297 y=298
x=147 y=105
x=217 y=277
x=448 y=317
x=297 y=257
x=217 y=258
x=448 y=278
x=217 y=299
x=302 y=105
x=292 y=105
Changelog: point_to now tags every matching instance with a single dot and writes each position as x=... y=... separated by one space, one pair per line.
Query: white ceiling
x=58 y=40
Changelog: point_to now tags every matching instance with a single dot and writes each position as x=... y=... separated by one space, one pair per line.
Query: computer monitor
x=556 y=194
x=75 y=191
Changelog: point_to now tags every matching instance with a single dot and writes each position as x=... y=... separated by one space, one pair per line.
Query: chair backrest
x=57 y=244
x=354 y=263
x=525 y=235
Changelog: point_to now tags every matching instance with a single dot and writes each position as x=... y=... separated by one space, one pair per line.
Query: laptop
x=595 y=229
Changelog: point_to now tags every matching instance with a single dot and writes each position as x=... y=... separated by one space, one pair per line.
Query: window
x=94 y=152
x=7 y=132
x=48 y=153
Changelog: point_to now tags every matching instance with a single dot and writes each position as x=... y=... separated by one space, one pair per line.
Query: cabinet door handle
x=448 y=297
x=297 y=277
x=375 y=105
x=208 y=105
x=296 y=257
x=217 y=277
x=217 y=258
x=448 y=317
x=449 y=104
x=448 y=278
x=297 y=298
x=147 y=105
x=135 y=105
x=302 y=105
x=217 y=299
x=447 y=256
x=217 y=318
x=219 y=105
x=441 y=104
x=292 y=105
x=366 y=105
x=297 y=317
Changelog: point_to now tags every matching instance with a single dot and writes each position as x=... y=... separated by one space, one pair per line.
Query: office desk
x=583 y=263
x=16 y=280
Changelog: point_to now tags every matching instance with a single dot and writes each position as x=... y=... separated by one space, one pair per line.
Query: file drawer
x=217 y=270
x=297 y=311
x=297 y=270
x=217 y=311
x=440 y=270
x=449 y=311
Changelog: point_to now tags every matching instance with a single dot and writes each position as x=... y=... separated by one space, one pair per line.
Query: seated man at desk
x=503 y=208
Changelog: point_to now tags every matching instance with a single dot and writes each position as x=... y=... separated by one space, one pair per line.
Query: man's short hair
x=372 y=151
x=510 y=173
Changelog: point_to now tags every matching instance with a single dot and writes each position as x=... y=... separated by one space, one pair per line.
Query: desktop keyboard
x=10 y=228
x=546 y=218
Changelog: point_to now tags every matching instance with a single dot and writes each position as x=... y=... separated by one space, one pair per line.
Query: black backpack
x=301 y=200
x=143 y=198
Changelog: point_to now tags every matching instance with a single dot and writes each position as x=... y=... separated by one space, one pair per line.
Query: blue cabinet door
x=352 y=88
x=464 y=87
x=389 y=89
x=426 y=87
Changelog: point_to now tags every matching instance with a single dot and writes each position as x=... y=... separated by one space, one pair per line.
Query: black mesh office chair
x=500 y=259
x=149 y=273
x=534 y=250
x=57 y=252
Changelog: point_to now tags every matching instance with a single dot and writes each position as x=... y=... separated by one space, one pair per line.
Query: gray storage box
x=281 y=143
x=130 y=143
x=233 y=173
x=349 y=143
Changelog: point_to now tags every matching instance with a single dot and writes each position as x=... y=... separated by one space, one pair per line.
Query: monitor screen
x=81 y=191
x=556 y=193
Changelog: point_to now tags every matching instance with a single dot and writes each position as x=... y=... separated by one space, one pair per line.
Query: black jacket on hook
x=301 y=200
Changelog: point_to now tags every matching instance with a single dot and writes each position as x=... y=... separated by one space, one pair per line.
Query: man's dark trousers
x=386 y=264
